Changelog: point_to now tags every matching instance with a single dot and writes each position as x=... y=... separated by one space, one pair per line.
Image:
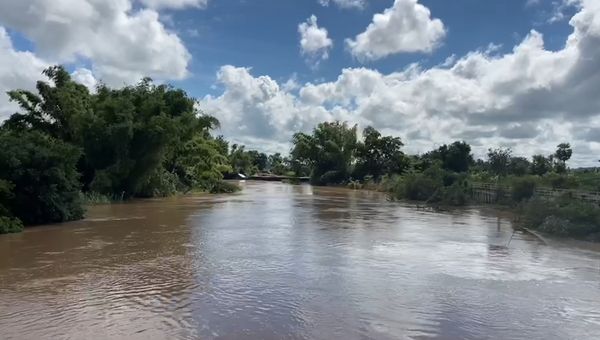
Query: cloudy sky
x=518 y=73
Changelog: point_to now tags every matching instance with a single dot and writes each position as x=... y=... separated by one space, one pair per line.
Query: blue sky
x=522 y=74
x=263 y=34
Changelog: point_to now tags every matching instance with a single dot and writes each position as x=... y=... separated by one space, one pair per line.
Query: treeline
x=333 y=154
x=68 y=146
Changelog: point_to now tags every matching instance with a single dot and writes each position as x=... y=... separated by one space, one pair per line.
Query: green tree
x=455 y=157
x=540 y=165
x=377 y=155
x=277 y=164
x=60 y=109
x=519 y=166
x=259 y=160
x=42 y=173
x=499 y=160
x=241 y=161
x=563 y=154
x=130 y=137
x=133 y=132
x=329 y=152
x=202 y=163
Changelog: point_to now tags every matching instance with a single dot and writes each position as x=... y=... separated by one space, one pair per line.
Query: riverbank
x=554 y=213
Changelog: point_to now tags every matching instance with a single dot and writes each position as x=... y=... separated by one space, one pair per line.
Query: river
x=281 y=261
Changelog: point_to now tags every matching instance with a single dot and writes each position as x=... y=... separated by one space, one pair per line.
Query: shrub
x=96 y=198
x=534 y=212
x=522 y=188
x=223 y=187
x=388 y=183
x=10 y=225
x=160 y=183
x=93 y=198
x=564 y=217
x=456 y=194
x=434 y=185
x=354 y=185
x=417 y=187
x=560 y=181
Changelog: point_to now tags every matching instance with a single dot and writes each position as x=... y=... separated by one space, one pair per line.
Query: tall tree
x=239 y=159
x=499 y=160
x=259 y=160
x=563 y=154
x=61 y=109
x=277 y=164
x=377 y=155
x=329 y=151
x=540 y=165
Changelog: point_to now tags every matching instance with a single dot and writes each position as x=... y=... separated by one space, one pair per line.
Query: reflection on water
x=281 y=261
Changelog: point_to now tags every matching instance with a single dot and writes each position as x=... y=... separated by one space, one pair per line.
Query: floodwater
x=280 y=261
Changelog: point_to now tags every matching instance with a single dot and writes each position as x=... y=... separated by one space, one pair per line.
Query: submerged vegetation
x=69 y=147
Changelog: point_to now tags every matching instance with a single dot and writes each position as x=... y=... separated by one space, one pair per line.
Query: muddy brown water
x=280 y=261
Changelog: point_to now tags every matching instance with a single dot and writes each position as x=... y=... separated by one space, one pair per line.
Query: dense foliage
x=39 y=173
x=329 y=152
x=333 y=154
x=455 y=157
x=143 y=140
x=377 y=156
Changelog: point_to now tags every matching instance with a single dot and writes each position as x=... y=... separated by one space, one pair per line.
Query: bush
x=95 y=198
x=160 y=183
x=43 y=172
x=223 y=187
x=560 y=181
x=434 y=185
x=456 y=194
x=10 y=225
x=329 y=177
x=388 y=183
x=563 y=217
x=522 y=188
x=417 y=187
x=354 y=185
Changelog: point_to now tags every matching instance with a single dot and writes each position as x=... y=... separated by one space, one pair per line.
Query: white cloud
x=529 y=99
x=18 y=70
x=174 y=4
x=405 y=27
x=344 y=3
x=122 y=44
x=314 y=41
x=559 y=9
x=86 y=77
